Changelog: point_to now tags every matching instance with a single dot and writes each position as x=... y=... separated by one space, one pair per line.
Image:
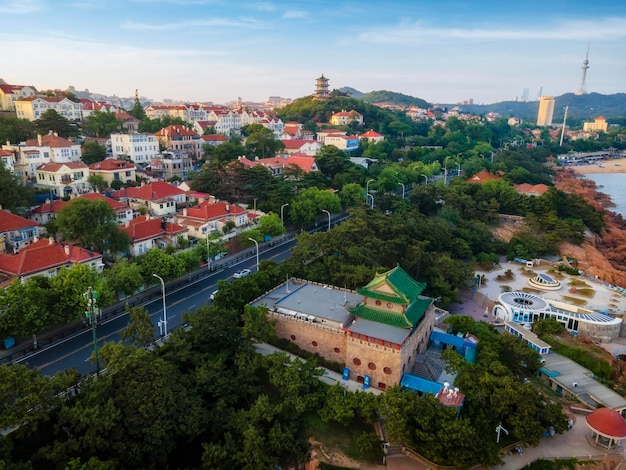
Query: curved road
x=75 y=350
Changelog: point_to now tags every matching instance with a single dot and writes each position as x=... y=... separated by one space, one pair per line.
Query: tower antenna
x=583 y=82
x=563 y=130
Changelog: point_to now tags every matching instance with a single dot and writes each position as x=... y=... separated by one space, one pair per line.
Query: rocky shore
x=601 y=255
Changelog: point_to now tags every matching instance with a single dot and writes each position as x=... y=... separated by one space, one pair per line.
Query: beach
x=617 y=165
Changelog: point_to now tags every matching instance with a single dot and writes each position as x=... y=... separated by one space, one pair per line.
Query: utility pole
x=91 y=297
x=563 y=130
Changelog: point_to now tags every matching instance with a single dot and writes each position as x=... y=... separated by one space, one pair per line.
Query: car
x=242 y=273
x=212 y=296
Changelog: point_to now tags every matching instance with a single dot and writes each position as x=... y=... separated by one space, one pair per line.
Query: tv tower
x=583 y=82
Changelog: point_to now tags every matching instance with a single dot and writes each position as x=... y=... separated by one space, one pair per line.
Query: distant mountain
x=385 y=96
x=580 y=108
x=353 y=92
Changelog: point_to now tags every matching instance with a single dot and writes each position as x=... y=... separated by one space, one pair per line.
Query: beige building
x=9 y=94
x=33 y=107
x=346 y=117
x=113 y=169
x=546 y=111
x=63 y=179
x=598 y=125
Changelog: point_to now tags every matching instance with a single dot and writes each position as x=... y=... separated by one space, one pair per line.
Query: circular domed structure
x=608 y=427
x=545 y=282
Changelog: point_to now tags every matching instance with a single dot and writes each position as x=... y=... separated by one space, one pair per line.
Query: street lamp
x=163 y=322
x=324 y=210
x=257 y=252
x=282 y=214
x=367 y=189
x=91 y=297
x=445 y=170
x=372 y=196
x=425 y=179
x=481 y=156
x=208 y=250
x=403 y=190
x=458 y=169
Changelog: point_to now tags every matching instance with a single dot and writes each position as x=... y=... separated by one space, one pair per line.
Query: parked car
x=242 y=273
x=212 y=296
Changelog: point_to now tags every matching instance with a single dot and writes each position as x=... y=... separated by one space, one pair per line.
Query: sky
x=443 y=51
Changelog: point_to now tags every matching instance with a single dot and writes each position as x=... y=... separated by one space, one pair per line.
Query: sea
x=612 y=184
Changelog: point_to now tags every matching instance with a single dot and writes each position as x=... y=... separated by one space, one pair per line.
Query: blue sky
x=209 y=50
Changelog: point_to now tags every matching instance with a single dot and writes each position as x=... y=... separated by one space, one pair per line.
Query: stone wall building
x=376 y=332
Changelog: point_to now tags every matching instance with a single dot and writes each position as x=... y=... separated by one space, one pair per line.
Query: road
x=74 y=351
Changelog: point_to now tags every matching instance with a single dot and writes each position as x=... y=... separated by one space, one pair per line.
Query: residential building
x=169 y=164
x=372 y=136
x=9 y=94
x=344 y=118
x=63 y=179
x=214 y=139
x=321 y=135
x=45 y=257
x=159 y=197
x=546 y=111
x=91 y=106
x=48 y=148
x=33 y=107
x=598 y=125
x=377 y=332
x=180 y=139
x=291 y=130
x=148 y=232
x=129 y=123
x=17 y=232
x=307 y=147
x=208 y=217
x=139 y=148
x=348 y=143
x=8 y=160
x=47 y=211
x=112 y=169
x=531 y=189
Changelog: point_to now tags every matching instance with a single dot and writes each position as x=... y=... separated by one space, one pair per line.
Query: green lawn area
x=586 y=292
x=574 y=300
x=334 y=436
x=578 y=283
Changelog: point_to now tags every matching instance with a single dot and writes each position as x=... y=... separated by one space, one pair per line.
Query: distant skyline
x=213 y=50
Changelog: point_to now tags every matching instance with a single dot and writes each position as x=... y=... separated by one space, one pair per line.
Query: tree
x=270 y=224
x=51 y=121
x=307 y=206
x=124 y=277
x=93 y=225
x=97 y=182
x=262 y=143
x=16 y=130
x=93 y=152
x=101 y=124
x=137 y=110
x=351 y=194
x=140 y=330
x=14 y=196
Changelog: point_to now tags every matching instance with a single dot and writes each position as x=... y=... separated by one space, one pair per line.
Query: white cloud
x=420 y=33
x=20 y=7
x=295 y=14
x=214 y=22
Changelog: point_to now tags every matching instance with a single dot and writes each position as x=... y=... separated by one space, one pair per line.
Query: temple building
x=377 y=332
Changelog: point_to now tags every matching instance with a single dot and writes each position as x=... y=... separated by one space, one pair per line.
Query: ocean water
x=613 y=184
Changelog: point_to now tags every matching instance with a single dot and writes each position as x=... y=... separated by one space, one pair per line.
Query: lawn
x=574 y=300
x=578 y=283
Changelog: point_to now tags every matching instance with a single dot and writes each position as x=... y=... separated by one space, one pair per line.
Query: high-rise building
x=546 y=111
x=525 y=94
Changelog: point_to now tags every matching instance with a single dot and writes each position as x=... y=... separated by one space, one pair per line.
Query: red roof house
x=148 y=232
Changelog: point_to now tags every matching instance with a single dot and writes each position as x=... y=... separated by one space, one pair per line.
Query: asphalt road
x=74 y=351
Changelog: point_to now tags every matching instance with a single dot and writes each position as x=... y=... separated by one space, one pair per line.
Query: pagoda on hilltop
x=321 y=89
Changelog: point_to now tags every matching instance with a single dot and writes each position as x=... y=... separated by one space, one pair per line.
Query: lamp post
x=282 y=213
x=163 y=322
x=372 y=196
x=425 y=179
x=257 y=252
x=445 y=170
x=458 y=169
x=367 y=189
x=481 y=156
x=403 y=190
x=91 y=297
x=208 y=250
x=324 y=210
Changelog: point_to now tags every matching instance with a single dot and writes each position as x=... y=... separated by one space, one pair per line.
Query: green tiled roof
x=381 y=316
x=406 y=288
x=417 y=309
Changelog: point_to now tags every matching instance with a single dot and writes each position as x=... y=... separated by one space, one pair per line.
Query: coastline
x=617 y=165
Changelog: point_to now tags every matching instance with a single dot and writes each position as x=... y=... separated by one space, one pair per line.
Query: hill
x=352 y=92
x=385 y=96
x=581 y=108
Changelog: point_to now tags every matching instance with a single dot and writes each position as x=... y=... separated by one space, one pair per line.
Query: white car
x=212 y=296
x=242 y=273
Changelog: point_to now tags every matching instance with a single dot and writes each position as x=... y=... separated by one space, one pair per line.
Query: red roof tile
x=150 y=192
x=50 y=140
x=297 y=143
x=143 y=228
x=111 y=164
x=53 y=207
x=208 y=211
x=607 y=422
x=113 y=204
x=54 y=167
x=10 y=222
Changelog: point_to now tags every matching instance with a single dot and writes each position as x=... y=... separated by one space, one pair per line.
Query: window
x=387 y=370
x=337 y=350
x=293 y=337
x=356 y=361
x=314 y=343
x=371 y=366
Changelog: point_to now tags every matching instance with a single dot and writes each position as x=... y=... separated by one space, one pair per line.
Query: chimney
x=185 y=212
x=51 y=240
x=227 y=208
x=39 y=140
x=67 y=250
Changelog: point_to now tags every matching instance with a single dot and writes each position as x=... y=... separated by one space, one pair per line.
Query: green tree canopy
x=50 y=120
